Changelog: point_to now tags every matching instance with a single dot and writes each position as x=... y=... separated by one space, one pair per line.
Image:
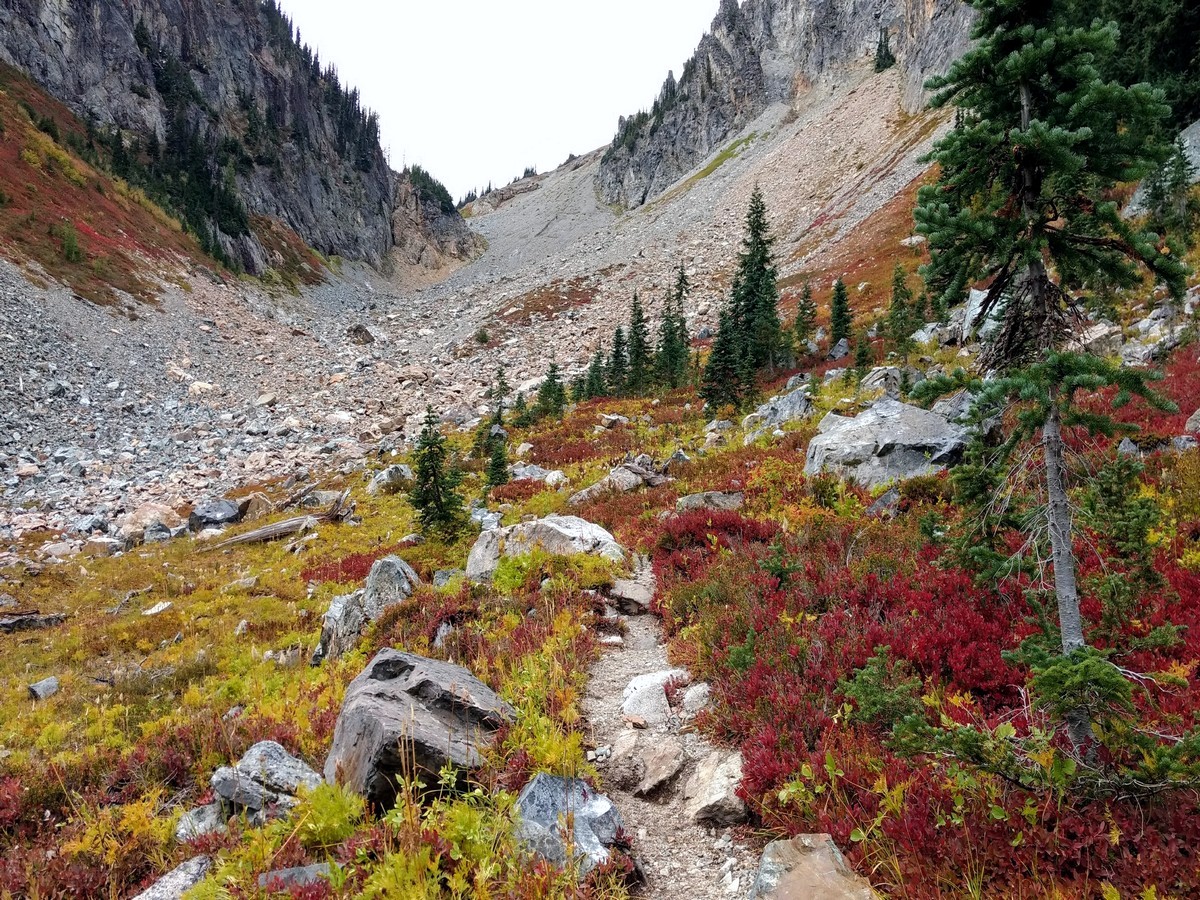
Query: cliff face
x=429 y=234
x=767 y=51
x=220 y=111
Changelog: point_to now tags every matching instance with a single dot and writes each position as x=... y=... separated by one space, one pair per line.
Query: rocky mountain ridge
x=764 y=52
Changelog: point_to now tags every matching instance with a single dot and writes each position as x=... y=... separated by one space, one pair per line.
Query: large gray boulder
x=390 y=581
x=408 y=714
x=391 y=480
x=546 y=807
x=889 y=441
x=556 y=535
x=710 y=796
x=266 y=776
x=808 y=866
x=721 y=501
x=777 y=412
x=624 y=478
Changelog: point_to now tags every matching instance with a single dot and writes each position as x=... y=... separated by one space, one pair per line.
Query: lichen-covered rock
x=266 y=776
x=556 y=535
x=725 y=501
x=178 y=881
x=405 y=711
x=546 y=806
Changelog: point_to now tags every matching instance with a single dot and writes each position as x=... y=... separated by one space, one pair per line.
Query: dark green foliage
x=430 y=190
x=755 y=294
x=552 y=396
x=864 y=356
x=722 y=381
x=594 y=381
x=71 y=251
x=1025 y=177
x=806 y=318
x=434 y=494
x=498 y=393
x=671 y=359
x=840 y=320
x=482 y=337
x=641 y=356
x=1115 y=508
x=884 y=57
x=618 y=364
x=883 y=691
x=1169 y=198
x=522 y=415
x=1157 y=45
x=903 y=318
x=497 y=471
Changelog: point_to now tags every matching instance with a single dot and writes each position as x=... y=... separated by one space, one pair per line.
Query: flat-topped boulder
x=556 y=535
x=405 y=711
x=890 y=441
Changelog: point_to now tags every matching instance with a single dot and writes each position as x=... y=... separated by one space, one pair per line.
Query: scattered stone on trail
x=288 y=879
x=725 y=501
x=776 y=412
x=710 y=797
x=216 y=514
x=556 y=535
x=695 y=698
x=549 y=803
x=200 y=821
x=808 y=866
x=661 y=763
x=44 y=689
x=178 y=881
x=266 y=776
x=647 y=704
x=659 y=679
x=404 y=710
x=391 y=480
x=631 y=597
x=390 y=581
x=889 y=441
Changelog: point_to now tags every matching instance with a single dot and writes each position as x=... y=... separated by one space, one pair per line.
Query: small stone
x=178 y=881
x=158 y=608
x=44 y=689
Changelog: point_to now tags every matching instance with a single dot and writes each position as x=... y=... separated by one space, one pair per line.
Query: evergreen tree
x=618 y=364
x=522 y=417
x=434 y=494
x=579 y=388
x=722 y=381
x=864 y=356
x=1173 y=209
x=552 y=397
x=901 y=318
x=672 y=357
x=594 y=381
x=499 y=393
x=884 y=57
x=1023 y=203
x=641 y=357
x=806 y=318
x=840 y=320
x=497 y=471
x=755 y=309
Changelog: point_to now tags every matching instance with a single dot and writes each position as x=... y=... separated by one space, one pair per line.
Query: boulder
x=215 y=514
x=391 y=480
x=390 y=581
x=710 y=797
x=44 y=689
x=549 y=803
x=1100 y=338
x=696 y=697
x=133 y=526
x=630 y=596
x=647 y=705
x=29 y=621
x=624 y=478
x=1193 y=423
x=266 y=776
x=776 y=412
x=256 y=506
x=660 y=764
x=552 y=478
x=178 y=881
x=840 y=350
x=405 y=711
x=889 y=441
x=485 y=519
x=200 y=821
x=724 y=501
x=807 y=866
x=883 y=378
x=557 y=535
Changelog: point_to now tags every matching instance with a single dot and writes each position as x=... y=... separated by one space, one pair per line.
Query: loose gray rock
x=808 y=866
x=266 y=776
x=391 y=480
x=406 y=710
x=216 y=514
x=44 y=689
x=200 y=821
x=649 y=704
x=390 y=581
x=661 y=763
x=840 y=350
x=556 y=535
x=889 y=441
x=545 y=807
x=710 y=797
x=178 y=881
x=725 y=501
x=1193 y=423
x=776 y=412
x=300 y=876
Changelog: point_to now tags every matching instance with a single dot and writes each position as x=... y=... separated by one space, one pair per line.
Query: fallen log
x=28 y=620
x=341 y=509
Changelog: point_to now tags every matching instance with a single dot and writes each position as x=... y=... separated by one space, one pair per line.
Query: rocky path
x=673 y=789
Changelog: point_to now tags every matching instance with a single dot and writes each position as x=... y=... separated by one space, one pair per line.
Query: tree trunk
x=1058 y=518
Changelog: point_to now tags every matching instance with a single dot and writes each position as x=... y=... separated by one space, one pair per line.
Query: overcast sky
x=476 y=90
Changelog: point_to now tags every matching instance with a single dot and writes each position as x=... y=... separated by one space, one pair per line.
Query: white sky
x=476 y=90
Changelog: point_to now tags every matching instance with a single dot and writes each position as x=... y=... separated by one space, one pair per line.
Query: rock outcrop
x=390 y=581
x=556 y=535
x=408 y=714
x=890 y=441
x=429 y=234
x=763 y=52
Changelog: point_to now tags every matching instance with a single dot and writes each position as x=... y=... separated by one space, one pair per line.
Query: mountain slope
x=220 y=113
x=764 y=52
